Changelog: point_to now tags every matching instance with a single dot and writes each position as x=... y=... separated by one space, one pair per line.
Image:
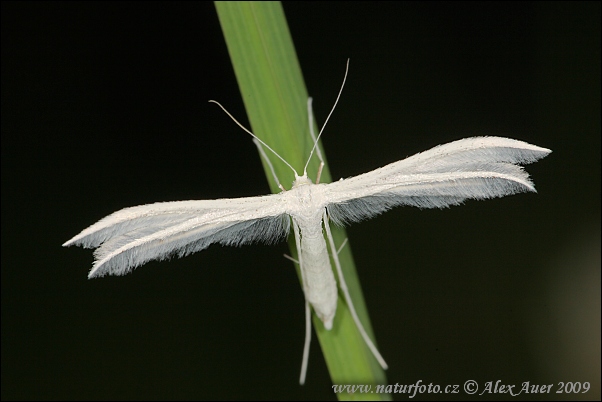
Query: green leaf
x=275 y=97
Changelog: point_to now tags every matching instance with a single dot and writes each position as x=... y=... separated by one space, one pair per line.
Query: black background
x=104 y=106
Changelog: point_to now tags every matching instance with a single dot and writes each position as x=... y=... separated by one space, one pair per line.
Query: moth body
x=472 y=168
x=319 y=285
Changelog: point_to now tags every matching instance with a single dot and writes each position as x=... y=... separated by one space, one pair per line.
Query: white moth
x=471 y=168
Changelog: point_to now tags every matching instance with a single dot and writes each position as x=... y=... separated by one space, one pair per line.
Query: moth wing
x=471 y=168
x=133 y=236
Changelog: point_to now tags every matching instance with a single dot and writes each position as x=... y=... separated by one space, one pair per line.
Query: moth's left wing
x=476 y=168
x=133 y=236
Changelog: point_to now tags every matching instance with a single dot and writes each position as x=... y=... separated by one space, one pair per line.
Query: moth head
x=302 y=181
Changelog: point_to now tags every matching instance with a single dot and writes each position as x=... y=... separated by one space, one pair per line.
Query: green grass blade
x=275 y=97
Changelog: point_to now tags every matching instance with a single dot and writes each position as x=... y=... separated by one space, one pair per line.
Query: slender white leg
x=305 y=359
x=288 y=257
x=345 y=290
x=310 y=114
x=311 y=126
x=342 y=245
x=306 y=344
x=319 y=172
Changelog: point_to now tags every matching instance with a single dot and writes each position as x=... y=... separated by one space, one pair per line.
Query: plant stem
x=275 y=97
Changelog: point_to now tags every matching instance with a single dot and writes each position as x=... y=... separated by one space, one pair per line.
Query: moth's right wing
x=133 y=236
x=475 y=168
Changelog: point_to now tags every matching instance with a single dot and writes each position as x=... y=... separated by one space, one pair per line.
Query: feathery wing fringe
x=476 y=168
x=133 y=236
x=119 y=256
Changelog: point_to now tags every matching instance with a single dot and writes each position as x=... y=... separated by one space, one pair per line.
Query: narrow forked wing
x=133 y=236
x=476 y=168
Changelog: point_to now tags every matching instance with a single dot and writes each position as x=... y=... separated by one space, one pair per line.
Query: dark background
x=104 y=106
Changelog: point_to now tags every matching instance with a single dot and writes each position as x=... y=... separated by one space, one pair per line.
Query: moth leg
x=288 y=257
x=267 y=160
x=310 y=114
x=345 y=290
x=319 y=172
x=305 y=359
x=342 y=245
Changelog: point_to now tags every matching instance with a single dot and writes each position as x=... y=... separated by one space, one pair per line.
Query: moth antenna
x=254 y=136
x=265 y=157
x=327 y=118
